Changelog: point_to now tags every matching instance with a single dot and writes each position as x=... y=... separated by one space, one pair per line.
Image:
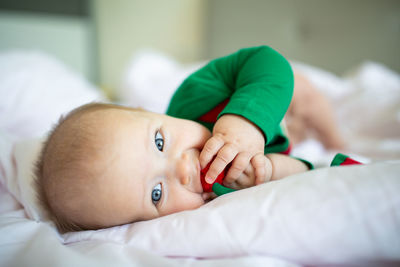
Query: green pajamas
x=256 y=83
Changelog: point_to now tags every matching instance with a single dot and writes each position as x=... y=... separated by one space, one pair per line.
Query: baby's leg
x=311 y=114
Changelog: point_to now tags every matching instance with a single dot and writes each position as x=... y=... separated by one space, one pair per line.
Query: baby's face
x=151 y=167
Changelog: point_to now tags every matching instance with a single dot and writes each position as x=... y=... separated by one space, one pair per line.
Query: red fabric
x=206 y=186
x=349 y=161
x=287 y=151
x=212 y=115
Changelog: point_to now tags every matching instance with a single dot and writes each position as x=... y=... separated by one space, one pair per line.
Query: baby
x=105 y=165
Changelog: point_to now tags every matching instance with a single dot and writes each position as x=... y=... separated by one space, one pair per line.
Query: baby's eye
x=156 y=194
x=159 y=141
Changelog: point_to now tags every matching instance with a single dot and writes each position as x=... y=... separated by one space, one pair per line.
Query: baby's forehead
x=114 y=131
x=103 y=117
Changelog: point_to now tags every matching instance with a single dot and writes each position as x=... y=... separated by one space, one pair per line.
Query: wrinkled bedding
x=329 y=216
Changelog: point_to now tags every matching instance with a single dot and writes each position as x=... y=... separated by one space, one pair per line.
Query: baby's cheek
x=185 y=202
x=203 y=135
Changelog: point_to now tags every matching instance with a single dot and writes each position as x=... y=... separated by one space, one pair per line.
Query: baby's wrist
x=269 y=169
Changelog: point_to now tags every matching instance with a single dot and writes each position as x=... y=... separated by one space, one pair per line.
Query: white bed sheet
x=364 y=232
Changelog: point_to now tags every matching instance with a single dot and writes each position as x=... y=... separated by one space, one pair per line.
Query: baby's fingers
x=259 y=164
x=210 y=149
x=239 y=164
x=223 y=158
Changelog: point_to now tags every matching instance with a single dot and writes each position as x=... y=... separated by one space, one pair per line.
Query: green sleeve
x=258 y=81
x=306 y=162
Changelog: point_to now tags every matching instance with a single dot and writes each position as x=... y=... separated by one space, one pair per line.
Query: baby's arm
x=278 y=166
x=257 y=85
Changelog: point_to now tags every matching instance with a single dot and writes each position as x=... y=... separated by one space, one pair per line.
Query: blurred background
x=98 y=38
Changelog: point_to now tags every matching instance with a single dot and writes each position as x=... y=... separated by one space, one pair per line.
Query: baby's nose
x=183 y=169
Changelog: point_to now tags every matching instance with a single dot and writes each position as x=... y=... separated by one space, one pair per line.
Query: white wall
x=125 y=26
x=67 y=38
x=335 y=35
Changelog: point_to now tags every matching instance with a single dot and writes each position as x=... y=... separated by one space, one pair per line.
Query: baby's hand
x=236 y=140
x=248 y=178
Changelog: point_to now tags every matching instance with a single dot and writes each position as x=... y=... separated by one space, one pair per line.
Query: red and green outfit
x=255 y=83
x=342 y=160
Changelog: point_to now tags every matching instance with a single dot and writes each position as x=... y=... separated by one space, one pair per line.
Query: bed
x=328 y=216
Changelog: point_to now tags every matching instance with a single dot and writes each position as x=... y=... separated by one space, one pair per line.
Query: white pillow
x=35 y=89
x=151 y=79
x=19 y=160
x=340 y=215
x=343 y=215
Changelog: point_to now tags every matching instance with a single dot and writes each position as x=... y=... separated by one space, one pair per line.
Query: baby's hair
x=41 y=173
